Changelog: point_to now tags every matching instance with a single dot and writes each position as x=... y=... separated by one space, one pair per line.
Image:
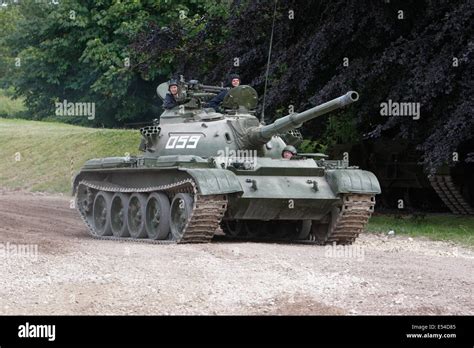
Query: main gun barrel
x=282 y=125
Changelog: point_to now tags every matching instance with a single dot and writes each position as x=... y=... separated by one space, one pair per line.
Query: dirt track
x=74 y=274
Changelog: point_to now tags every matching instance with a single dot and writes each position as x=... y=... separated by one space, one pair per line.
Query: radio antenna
x=262 y=116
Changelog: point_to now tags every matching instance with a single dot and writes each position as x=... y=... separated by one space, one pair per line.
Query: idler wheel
x=100 y=215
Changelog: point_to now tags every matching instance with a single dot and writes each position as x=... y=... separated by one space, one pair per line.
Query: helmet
x=172 y=83
x=290 y=148
x=233 y=76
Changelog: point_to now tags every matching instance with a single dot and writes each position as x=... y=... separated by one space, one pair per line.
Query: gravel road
x=67 y=272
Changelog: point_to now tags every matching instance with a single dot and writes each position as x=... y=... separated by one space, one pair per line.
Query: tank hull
x=271 y=190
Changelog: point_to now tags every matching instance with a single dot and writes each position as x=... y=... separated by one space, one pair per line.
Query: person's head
x=288 y=152
x=234 y=80
x=173 y=87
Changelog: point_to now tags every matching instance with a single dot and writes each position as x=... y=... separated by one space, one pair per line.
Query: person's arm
x=169 y=102
x=217 y=100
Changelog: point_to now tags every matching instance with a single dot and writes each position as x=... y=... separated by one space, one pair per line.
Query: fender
x=214 y=181
x=352 y=181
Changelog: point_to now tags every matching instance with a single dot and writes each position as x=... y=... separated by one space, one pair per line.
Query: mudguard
x=214 y=181
x=352 y=181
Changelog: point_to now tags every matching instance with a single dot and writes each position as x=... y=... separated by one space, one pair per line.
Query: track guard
x=352 y=181
x=214 y=181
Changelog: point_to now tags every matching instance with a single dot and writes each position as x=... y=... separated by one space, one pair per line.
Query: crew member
x=171 y=97
x=288 y=152
x=218 y=99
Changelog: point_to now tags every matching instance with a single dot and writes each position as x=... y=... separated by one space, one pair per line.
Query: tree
x=79 y=51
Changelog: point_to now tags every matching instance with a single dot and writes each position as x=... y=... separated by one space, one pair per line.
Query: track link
x=450 y=195
x=352 y=218
x=201 y=227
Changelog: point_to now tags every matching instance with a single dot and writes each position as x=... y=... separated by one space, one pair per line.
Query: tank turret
x=193 y=129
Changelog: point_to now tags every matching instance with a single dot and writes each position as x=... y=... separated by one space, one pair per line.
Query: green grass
x=434 y=226
x=46 y=150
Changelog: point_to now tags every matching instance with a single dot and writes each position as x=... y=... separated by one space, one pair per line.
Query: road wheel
x=136 y=213
x=118 y=215
x=303 y=229
x=232 y=228
x=256 y=228
x=158 y=216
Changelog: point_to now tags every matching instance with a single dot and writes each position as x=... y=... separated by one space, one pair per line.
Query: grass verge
x=445 y=227
x=42 y=156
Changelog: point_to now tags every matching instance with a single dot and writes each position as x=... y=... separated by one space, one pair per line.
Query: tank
x=205 y=173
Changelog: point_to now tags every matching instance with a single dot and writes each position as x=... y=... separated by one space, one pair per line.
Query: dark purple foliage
x=405 y=60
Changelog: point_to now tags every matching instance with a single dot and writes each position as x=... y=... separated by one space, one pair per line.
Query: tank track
x=351 y=220
x=201 y=227
x=450 y=195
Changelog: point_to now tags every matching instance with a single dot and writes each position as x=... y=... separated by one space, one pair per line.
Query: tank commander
x=171 y=97
x=288 y=152
x=218 y=99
